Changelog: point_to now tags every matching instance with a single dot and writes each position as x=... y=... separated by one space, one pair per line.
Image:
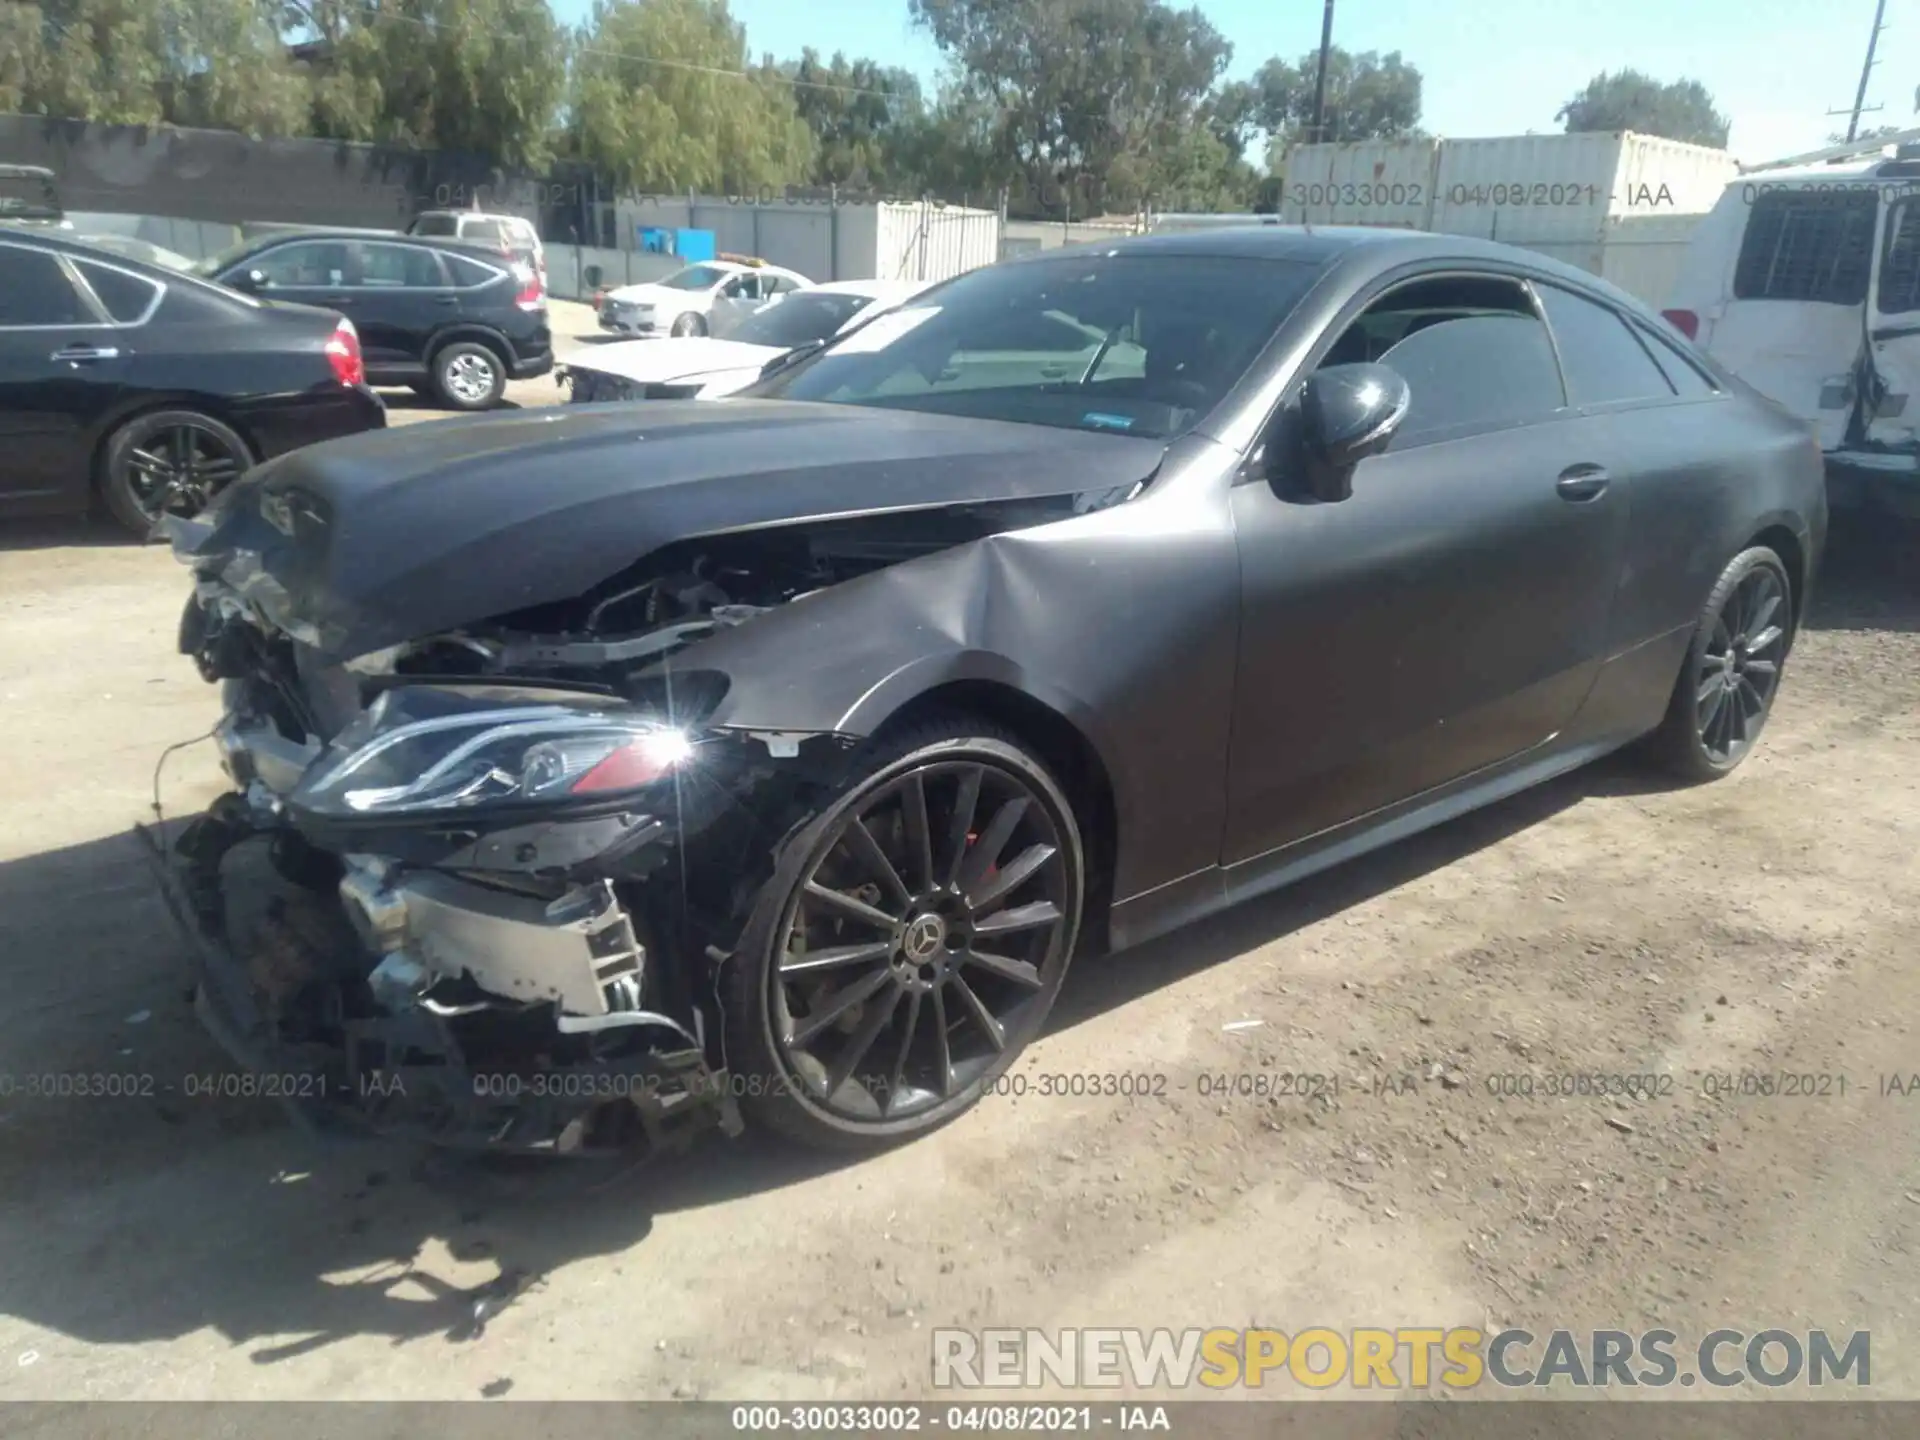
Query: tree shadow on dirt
x=66 y=532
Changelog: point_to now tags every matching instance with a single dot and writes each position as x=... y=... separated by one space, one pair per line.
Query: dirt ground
x=172 y=1246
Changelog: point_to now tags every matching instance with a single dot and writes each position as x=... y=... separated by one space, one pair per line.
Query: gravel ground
x=169 y=1246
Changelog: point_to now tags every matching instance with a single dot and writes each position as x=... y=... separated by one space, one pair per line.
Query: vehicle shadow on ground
x=410 y=401
x=1870 y=576
x=66 y=533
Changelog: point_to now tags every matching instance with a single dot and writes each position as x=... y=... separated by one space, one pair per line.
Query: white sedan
x=700 y=367
x=699 y=300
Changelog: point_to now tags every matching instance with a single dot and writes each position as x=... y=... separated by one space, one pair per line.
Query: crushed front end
x=473 y=891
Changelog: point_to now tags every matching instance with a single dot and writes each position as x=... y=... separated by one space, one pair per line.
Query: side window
x=396 y=266
x=1473 y=353
x=1686 y=378
x=1900 y=263
x=34 y=290
x=1604 y=363
x=1807 y=245
x=469 y=272
x=127 y=298
x=310 y=263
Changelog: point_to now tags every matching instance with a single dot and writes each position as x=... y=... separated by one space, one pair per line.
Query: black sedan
x=144 y=390
x=782 y=751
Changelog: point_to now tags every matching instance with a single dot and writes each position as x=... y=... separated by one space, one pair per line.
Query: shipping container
x=1616 y=204
x=825 y=240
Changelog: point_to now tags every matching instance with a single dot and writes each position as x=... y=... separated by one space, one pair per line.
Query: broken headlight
x=430 y=749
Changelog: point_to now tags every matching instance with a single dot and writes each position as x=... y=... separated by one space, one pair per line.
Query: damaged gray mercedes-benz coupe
x=607 y=774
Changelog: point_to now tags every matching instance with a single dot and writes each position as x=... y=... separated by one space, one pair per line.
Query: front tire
x=1731 y=676
x=469 y=376
x=688 y=324
x=910 y=942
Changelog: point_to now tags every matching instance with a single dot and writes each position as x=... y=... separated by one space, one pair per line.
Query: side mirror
x=249 y=280
x=1348 y=412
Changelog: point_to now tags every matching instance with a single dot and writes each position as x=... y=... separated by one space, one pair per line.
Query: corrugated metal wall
x=1526 y=189
x=934 y=242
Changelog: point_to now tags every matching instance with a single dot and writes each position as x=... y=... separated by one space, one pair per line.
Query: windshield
x=796 y=319
x=1135 y=344
x=694 y=277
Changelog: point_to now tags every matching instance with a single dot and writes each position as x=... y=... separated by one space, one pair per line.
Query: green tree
x=145 y=62
x=1629 y=100
x=483 y=76
x=864 y=118
x=660 y=102
x=1092 y=99
x=1369 y=96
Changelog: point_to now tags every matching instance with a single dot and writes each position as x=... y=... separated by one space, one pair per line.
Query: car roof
x=1882 y=169
x=36 y=172
x=474 y=248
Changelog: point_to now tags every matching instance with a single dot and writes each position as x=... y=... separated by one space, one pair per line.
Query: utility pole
x=1860 y=95
x=1315 y=131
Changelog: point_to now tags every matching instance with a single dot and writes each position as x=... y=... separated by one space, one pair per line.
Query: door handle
x=446 y=299
x=83 y=354
x=1581 y=482
x=336 y=299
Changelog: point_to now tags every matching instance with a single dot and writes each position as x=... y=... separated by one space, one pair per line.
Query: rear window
x=435 y=225
x=483 y=230
x=1807 y=245
x=127 y=298
x=469 y=272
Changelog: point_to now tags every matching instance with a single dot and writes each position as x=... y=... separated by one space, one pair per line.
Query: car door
x=399 y=297
x=1793 y=325
x=307 y=272
x=62 y=368
x=1891 y=414
x=1452 y=612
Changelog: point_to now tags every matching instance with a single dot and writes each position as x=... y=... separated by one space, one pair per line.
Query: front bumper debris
x=410 y=1067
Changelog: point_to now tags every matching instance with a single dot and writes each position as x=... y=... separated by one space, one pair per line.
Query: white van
x=1805 y=283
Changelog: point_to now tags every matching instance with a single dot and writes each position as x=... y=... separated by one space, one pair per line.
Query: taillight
x=343 y=353
x=1685 y=321
x=533 y=295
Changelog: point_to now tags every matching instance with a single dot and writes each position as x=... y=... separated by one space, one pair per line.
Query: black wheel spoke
x=961 y=822
x=911 y=1024
x=943 y=1046
x=1714 y=684
x=1765 y=640
x=919 y=836
x=1018 y=971
x=1011 y=877
x=861 y=1041
x=1020 y=917
x=1758 y=621
x=982 y=1016
x=808 y=962
x=836 y=1005
x=1764 y=668
x=861 y=841
x=984 y=854
x=851 y=907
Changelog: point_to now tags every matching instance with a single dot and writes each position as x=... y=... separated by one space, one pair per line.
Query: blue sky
x=1502 y=67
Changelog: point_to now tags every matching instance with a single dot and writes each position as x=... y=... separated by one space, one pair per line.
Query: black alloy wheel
x=170 y=462
x=911 y=942
x=1732 y=673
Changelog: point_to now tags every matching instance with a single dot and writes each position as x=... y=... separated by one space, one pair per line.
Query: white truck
x=1804 y=281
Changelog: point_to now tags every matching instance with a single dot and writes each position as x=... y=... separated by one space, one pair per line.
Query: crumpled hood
x=655 y=361
x=357 y=544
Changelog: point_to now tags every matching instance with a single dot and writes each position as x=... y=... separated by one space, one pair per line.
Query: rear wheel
x=910 y=942
x=468 y=375
x=168 y=462
x=1732 y=672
